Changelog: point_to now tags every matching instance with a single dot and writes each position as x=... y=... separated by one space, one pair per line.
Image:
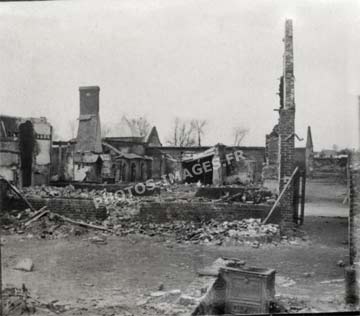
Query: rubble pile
x=212 y=232
x=17 y=301
x=122 y=219
x=46 y=227
x=68 y=191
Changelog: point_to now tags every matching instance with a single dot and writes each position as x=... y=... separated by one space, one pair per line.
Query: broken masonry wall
x=240 y=169
x=42 y=160
x=270 y=171
x=75 y=208
x=61 y=161
x=39 y=167
x=241 y=172
x=253 y=154
x=160 y=212
x=272 y=146
x=10 y=160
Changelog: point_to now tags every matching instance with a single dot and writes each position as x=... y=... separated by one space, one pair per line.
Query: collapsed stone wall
x=75 y=208
x=160 y=212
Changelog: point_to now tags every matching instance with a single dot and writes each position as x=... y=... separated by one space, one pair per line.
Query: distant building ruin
x=130 y=157
x=25 y=150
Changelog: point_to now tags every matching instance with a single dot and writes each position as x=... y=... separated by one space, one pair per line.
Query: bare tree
x=141 y=125
x=239 y=134
x=198 y=126
x=182 y=134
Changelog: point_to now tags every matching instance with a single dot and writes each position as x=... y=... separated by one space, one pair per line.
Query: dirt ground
x=112 y=278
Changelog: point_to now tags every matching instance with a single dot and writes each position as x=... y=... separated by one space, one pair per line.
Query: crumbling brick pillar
x=287 y=130
x=286 y=167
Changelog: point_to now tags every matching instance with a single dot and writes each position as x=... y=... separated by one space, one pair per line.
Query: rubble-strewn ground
x=90 y=273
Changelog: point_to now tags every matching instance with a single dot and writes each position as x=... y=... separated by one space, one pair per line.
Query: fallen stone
x=341 y=263
x=25 y=265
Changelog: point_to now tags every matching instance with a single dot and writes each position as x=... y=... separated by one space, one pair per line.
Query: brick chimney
x=287 y=128
x=89 y=131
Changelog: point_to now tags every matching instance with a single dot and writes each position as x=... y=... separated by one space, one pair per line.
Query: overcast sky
x=214 y=60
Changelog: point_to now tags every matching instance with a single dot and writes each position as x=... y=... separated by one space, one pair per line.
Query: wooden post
x=3 y=188
x=303 y=188
x=280 y=196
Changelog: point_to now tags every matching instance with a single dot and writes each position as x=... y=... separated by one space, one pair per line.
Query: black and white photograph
x=179 y=158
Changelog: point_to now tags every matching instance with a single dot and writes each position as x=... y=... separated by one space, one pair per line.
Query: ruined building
x=280 y=143
x=25 y=150
x=130 y=157
x=89 y=158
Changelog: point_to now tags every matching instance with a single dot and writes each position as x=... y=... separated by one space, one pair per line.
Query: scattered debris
x=17 y=302
x=210 y=232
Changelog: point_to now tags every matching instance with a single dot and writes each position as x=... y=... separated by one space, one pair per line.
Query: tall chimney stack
x=289 y=79
x=89 y=131
x=287 y=130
